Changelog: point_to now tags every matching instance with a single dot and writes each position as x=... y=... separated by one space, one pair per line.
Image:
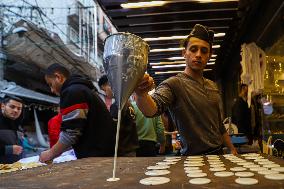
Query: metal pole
x=80 y=30
x=96 y=32
x=88 y=35
x=2 y=55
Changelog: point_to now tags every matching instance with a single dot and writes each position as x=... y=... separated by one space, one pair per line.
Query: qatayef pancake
x=215 y=162
x=154 y=180
x=238 y=161
x=251 y=166
x=171 y=160
x=223 y=174
x=195 y=175
x=165 y=163
x=259 y=160
x=158 y=167
x=244 y=174
x=238 y=169
x=271 y=165
x=275 y=176
x=251 y=157
x=280 y=169
x=246 y=181
x=265 y=162
x=194 y=157
x=217 y=165
x=267 y=172
x=157 y=172
x=217 y=169
x=194 y=164
x=175 y=157
x=212 y=156
x=250 y=154
x=191 y=168
x=199 y=181
x=259 y=169
x=245 y=163
x=193 y=171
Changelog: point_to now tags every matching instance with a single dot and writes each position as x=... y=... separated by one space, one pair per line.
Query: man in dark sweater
x=11 y=109
x=86 y=123
x=241 y=113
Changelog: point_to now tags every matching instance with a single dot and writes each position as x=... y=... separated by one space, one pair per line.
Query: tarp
x=27 y=93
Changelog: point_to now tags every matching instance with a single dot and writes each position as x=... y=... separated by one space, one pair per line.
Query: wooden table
x=92 y=173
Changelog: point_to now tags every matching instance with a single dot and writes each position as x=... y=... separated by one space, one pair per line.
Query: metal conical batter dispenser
x=125 y=62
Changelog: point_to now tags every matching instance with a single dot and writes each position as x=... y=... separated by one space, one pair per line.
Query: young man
x=193 y=101
x=86 y=123
x=107 y=97
x=11 y=109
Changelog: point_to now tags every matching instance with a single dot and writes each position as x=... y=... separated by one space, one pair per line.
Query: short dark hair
x=7 y=98
x=103 y=80
x=57 y=68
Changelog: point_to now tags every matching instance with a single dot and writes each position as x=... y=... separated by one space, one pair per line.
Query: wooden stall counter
x=92 y=173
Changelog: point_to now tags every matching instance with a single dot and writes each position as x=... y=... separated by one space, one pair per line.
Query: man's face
x=197 y=54
x=107 y=89
x=245 y=89
x=55 y=83
x=12 y=109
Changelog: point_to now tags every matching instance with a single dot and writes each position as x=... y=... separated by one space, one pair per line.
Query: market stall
x=93 y=172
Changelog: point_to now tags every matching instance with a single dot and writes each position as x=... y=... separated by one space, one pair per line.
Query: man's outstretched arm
x=144 y=101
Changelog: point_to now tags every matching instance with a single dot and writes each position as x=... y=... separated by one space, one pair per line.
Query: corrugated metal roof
x=27 y=93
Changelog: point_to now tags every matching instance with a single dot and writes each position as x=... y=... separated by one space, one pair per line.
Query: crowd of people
x=87 y=116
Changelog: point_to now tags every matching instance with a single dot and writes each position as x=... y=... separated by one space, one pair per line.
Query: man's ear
x=183 y=53
x=59 y=77
x=210 y=55
x=103 y=87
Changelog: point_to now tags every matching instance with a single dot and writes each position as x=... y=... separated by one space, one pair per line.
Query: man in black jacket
x=11 y=109
x=86 y=123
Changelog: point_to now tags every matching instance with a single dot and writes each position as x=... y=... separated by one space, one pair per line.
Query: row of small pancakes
x=193 y=163
x=247 y=165
x=156 y=171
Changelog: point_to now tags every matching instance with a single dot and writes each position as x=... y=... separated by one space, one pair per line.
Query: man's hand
x=229 y=144
x=53 y=152
x=146 y=84
x=45 y=156
x=234 y=151
x=162 y=149
x=17 y=150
